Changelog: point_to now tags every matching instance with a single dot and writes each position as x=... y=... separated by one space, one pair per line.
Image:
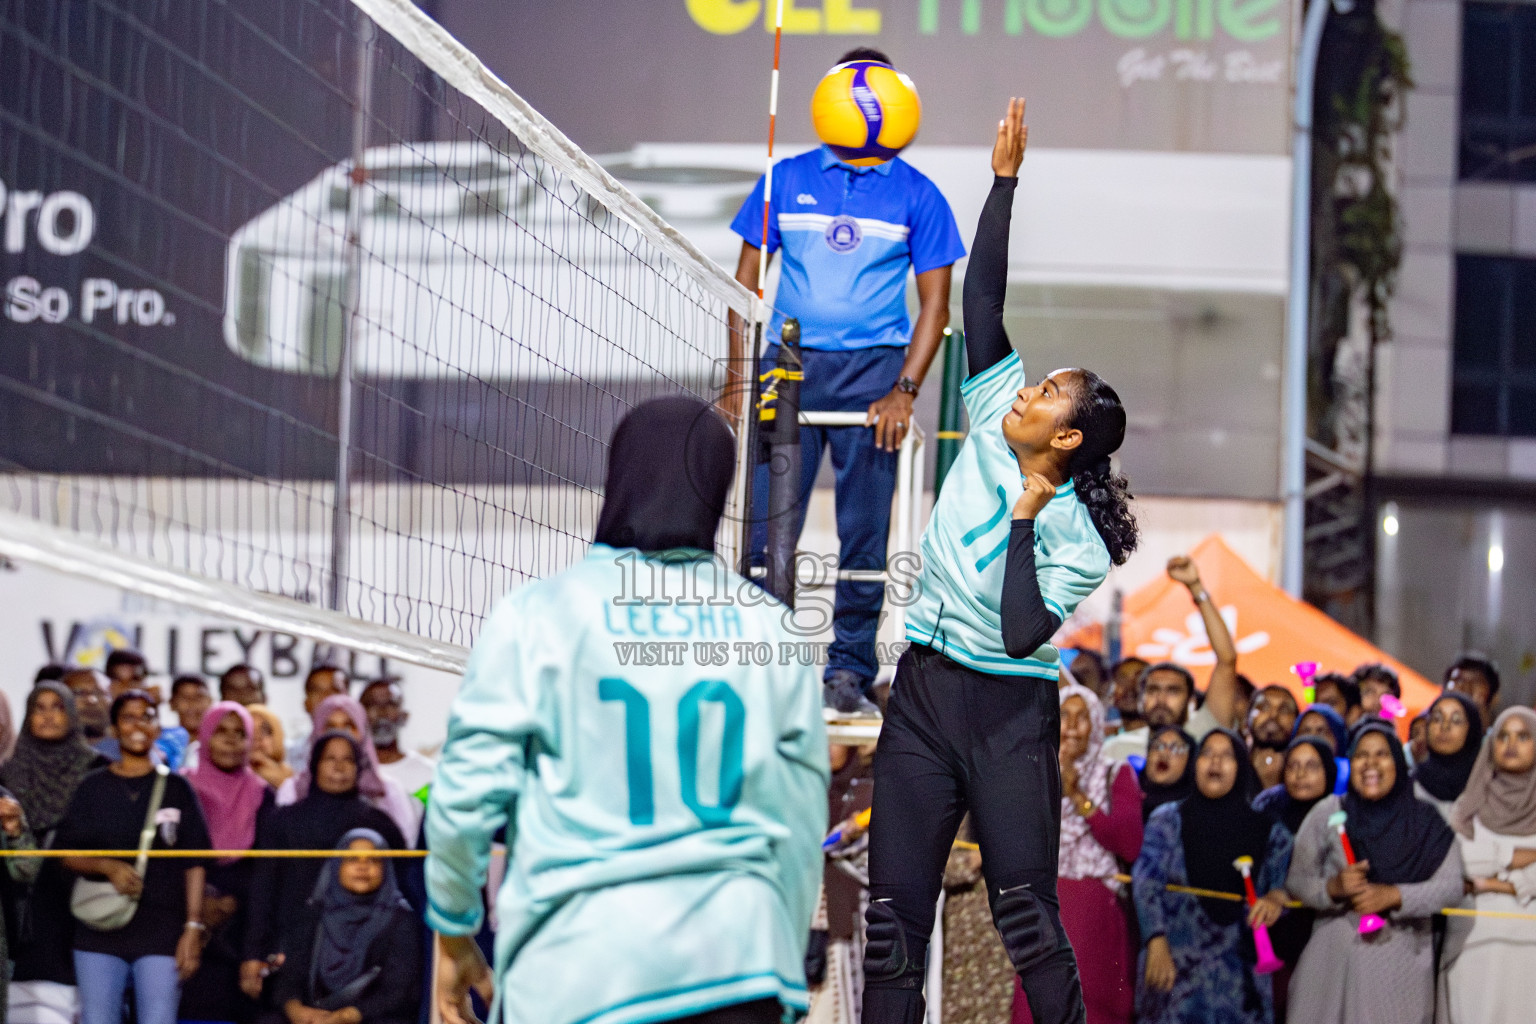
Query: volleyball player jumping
x=973 y=722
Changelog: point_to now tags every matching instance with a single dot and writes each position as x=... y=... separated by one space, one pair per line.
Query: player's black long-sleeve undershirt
x=986 y=281
x=1027 y=623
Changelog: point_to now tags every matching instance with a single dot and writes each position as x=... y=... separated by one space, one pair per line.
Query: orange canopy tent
x=1273 y=630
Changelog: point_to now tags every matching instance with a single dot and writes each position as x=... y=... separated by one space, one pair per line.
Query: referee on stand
x=848 y=237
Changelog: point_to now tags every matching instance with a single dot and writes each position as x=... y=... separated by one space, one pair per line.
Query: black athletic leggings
x=957 y=740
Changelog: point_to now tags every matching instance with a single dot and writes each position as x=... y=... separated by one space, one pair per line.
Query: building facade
x=1455 y=452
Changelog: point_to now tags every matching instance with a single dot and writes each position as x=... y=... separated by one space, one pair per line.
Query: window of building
x=1498 y=92
x=1494 y=361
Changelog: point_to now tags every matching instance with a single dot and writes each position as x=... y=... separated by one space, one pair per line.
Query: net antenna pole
x=760 y=307
x=341 y=510
x=781 y=431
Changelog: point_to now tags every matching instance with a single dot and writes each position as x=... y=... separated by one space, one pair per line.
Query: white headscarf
x=1081 y=856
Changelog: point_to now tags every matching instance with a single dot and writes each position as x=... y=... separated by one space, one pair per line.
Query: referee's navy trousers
x=865 y=485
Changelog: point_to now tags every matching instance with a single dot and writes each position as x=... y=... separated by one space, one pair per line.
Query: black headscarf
x=1444 y=776
x=319 y=820
x=1155 y=794
x=349 y=923
x=1404 y=838
x=44 y=774
x=669 y=469
x=1277 y=802
x=1217 y=832
x=282 y=888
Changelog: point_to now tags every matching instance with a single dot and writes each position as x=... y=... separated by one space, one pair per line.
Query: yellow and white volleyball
x=866 y=112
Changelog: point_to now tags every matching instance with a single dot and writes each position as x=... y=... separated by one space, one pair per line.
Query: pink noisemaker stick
x=1305 y=671
x=1391 y=707
x=1268 y=962
x=1368 y=922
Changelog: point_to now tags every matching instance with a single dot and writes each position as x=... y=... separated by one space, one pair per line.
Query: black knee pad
x=890 y=961
x=1028 y=933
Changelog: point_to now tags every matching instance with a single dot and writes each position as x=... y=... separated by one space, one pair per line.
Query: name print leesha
x=678 y=622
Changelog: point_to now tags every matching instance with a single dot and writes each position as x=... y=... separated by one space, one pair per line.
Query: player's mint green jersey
x=664 y=816
x=958 y=608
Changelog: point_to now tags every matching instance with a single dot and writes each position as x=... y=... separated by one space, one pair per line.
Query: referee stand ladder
x=784 y=575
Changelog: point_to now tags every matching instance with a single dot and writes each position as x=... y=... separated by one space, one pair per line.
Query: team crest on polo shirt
x=844 y=234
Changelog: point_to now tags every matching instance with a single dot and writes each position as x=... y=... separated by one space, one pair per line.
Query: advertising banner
x=1199 y=76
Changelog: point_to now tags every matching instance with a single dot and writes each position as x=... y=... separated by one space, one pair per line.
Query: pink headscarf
x=369 y=783
x=230 y=800
x=1080 y=855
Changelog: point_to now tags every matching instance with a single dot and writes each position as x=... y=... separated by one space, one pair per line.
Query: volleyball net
x=314 y=322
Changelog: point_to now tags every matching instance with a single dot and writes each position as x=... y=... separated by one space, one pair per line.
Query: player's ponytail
x=1097 y=412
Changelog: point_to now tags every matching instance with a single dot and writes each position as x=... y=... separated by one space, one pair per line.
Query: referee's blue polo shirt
x=849 y=235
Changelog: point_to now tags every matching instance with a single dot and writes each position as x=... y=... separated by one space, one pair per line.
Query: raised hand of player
x=460 y=967
x=1038 y=491
x=1012 y=137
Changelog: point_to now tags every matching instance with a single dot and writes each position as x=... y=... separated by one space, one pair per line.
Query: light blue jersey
x=959 y=605
x=664 y=816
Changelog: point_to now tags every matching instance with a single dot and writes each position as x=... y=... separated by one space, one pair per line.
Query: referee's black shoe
x=842 y=690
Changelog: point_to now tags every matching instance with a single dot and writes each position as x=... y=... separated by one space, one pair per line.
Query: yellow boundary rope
x=215 y=854
x=1463 y=912
x=1214 y=894
x=1190 y=890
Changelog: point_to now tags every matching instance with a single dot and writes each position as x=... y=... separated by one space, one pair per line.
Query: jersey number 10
x=637 y=743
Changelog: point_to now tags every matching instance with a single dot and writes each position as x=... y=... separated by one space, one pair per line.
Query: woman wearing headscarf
x=1308 y=774
x=1308 y=765
x=7 y=730
x=1487 y=973
x=342 y=713
x=236 y=802
x=1408 y=867
x=1197 y=965
x=1322 y=721
x=356 y=948
x=330 y=808
x=1455 y=737
x=1100 y=826
x=50 y=760
x=1168 y=775
x=269 y=758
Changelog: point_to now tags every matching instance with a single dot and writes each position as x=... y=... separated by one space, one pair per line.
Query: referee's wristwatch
x=908 y=385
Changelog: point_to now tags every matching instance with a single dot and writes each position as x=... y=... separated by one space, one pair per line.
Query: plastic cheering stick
x=860 y=821
x=1391 y=707
x=1368 y=922
x=1306 y=670
x=1268 y=962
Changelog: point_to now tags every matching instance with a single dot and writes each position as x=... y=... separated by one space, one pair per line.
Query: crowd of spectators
x=1171 y=796
x=1167 y=788
x=96 y=763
